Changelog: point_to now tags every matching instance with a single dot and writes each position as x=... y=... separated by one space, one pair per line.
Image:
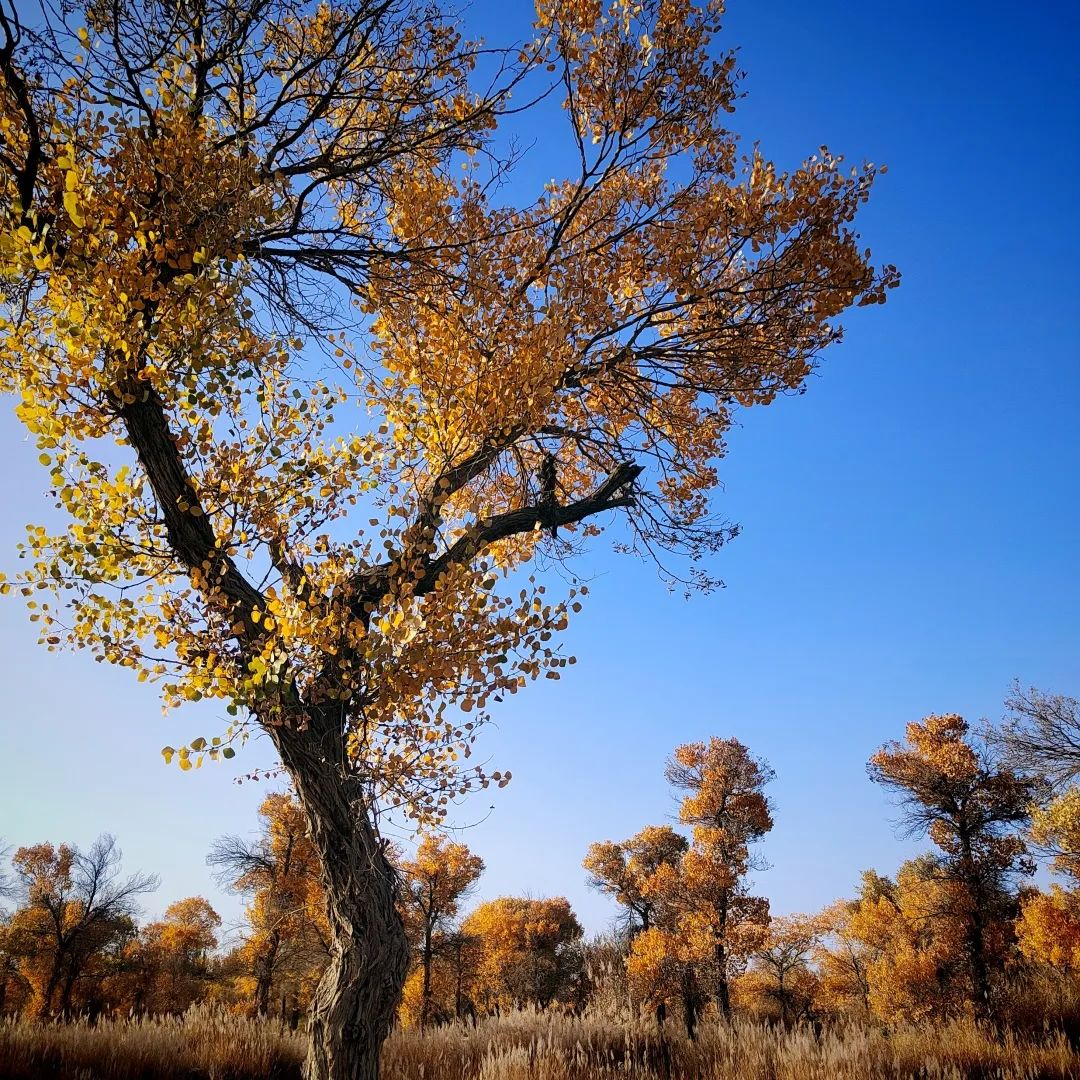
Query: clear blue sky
x=910 y=524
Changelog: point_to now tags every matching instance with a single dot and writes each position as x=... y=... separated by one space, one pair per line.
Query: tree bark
x=723 y=990
x=46 y=1006
x=425 y=1000
x=356 y=1002
x=264 y=974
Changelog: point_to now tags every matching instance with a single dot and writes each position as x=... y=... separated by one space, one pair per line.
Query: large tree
x=308 y=391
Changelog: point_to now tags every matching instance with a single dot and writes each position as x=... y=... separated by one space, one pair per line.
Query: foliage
x=628 y=871
x=970 y=805
x=434 y=882
x=74 y=921
x=522 y=953
x=1048 y=930
x=286 y=941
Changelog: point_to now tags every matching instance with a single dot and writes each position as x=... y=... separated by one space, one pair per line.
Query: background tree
x=174 y=956
x=76 y=907
x=843 y=961
x=726 y=806
x=1040 y=735
x=970 y=806
x=212 y=184
x=1048 y=929
x=287 y=942
x=524 y=952
x=626 y=871
x=435 y=880
x=782 y=980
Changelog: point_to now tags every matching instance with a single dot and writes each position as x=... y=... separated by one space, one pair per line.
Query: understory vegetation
x=533 y=1045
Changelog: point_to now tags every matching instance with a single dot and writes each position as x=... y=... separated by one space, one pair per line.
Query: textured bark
x=356 y=1001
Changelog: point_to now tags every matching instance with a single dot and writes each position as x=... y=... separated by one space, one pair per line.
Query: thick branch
x=191 y=536
x=610 y=495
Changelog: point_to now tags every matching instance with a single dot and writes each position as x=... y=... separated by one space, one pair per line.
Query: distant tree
x=782 y=974
x=626 y=871
x=75 y=907
x=281 y=873
x=524 y=952
x=902 y=947
x=1055 y=831
x=435 y=880
x=192 y=191
x=174 y=954
x=971 y=806
x=843 y=961
x=8 y=886
x=1040 y=735
x=726 y=806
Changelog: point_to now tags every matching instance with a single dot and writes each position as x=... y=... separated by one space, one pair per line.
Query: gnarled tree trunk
x=356 y=1001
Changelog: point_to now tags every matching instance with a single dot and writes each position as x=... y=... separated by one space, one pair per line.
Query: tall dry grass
x=530 y=1046
x=203 y=1045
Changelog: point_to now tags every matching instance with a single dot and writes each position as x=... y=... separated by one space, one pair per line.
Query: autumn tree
x=286 y=938
x=524 y=952
x=434 y=881
x=627 y=871
x=252 y=303
x=782 y=979
x=174 y=956
x=953 y=789
x=728 y=811
x=76 y=906
x=842 y=960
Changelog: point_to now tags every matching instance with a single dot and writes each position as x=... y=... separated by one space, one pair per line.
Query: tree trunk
x=65 y=994
x=264 y=973
x=355 y=1004
x=723 y=990
x=425 y=999
x=980 y=974
x=45 y=1008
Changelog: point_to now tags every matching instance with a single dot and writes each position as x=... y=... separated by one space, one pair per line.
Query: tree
x=76 y=906
x=435 y=880
x=524 y=953
x=287 y=933
x=725 y=805
x=970 y=805
x=1055 y=830
x=902 y=942
x=1040 y=735
x=627 y=871
x=166 y=966
x=843 y=961
x=227 y=224
x=782 y=974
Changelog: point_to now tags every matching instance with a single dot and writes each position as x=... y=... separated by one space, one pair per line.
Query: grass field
x=527 y=1046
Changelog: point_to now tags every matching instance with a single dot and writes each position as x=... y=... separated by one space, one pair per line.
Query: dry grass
x=200 y=1046
x=536 y=1047
x=528 y=1046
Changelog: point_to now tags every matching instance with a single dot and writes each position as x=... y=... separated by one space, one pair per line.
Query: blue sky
x=910 y=524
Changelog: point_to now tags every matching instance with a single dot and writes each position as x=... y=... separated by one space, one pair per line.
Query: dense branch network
x=238 y=243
